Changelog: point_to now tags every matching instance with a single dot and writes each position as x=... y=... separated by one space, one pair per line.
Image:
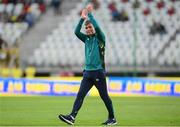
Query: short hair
x=87 y=22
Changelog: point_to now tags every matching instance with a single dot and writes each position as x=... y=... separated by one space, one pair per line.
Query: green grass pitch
x=129 y=111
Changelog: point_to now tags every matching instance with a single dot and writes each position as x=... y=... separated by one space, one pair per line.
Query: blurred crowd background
x=37 y=37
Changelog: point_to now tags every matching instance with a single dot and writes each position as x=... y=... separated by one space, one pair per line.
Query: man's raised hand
x=84 y=14
x=89 y=7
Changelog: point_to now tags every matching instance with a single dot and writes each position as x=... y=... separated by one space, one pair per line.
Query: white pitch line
x=88 y=126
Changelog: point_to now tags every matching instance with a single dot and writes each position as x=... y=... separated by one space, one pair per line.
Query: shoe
x=110 y=122
x=67 y=119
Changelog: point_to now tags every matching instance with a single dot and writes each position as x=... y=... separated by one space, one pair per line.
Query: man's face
x=89 y=29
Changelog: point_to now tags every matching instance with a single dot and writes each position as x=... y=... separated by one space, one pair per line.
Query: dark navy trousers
x=90 y=78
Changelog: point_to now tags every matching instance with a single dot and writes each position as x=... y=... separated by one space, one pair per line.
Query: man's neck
x=91 y=35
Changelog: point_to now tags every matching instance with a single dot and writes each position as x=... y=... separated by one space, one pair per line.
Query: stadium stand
x=16 y=18
x=128 y=43
x=145 y=38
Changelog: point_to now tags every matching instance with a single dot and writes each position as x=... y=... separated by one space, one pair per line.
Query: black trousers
x=90 y=78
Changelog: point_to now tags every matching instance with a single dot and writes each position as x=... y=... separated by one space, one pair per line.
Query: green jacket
x=94 y=45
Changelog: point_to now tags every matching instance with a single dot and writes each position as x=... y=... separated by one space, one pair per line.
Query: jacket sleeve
x=99 y=32
x=78 y=32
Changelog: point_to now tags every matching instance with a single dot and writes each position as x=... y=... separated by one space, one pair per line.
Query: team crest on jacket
x=101 y=45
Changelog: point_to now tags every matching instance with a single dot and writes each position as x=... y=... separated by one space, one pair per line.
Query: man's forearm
x=78 y=33
x=100 y=34
x=93 y=21
x=79 y=26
